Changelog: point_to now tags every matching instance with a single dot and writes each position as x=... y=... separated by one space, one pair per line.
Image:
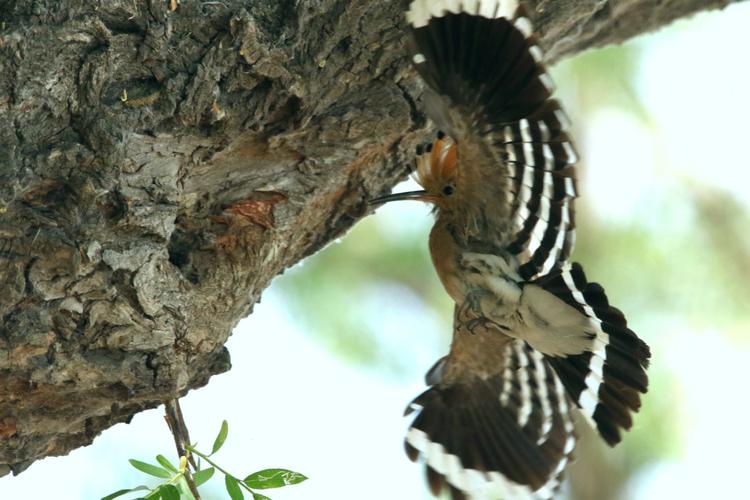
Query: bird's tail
x=481 y=56
x=607 y=381
x=509 y=435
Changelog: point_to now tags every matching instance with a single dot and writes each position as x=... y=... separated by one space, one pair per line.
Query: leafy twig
x=179 y=481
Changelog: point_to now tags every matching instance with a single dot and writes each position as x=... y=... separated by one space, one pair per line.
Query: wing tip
x=420 y=12
x=491 y=454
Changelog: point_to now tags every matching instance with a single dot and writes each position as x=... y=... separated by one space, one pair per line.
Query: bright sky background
x=292 y=404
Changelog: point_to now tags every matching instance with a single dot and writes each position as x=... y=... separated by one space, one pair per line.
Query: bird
x=533 y=339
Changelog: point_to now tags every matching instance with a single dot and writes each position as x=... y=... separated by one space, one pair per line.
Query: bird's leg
x=470 y=313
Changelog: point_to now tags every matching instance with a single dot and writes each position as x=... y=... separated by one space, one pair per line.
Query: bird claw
x=476 y=323
x=470 y=315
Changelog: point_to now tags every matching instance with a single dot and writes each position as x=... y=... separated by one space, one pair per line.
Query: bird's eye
x=448 y=190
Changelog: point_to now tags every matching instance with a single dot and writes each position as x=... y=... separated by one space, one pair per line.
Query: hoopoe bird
x=533 y=338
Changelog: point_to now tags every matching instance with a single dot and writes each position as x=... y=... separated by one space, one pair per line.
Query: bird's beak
x=420 y=195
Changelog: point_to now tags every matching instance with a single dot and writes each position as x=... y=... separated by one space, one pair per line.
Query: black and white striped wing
x=606 y=382
x=482 y=57
x=540 y=161
x=509 y=435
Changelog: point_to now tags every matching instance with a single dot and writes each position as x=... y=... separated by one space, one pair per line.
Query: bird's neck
x=462 y=224
x=472 y=227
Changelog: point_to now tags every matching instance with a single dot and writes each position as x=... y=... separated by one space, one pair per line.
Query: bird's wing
x=496 y=422
x=489 y=89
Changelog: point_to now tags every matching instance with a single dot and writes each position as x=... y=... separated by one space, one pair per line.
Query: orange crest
x=436 y=165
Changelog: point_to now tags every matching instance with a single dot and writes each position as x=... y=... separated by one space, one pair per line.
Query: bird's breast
x=445 y=253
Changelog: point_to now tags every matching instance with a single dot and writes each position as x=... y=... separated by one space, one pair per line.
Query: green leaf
x=258 y=496
x=202 y=476
x=165 y=463
x=221 y=437
x=154 y=495
x=184 y=488
x=120 y=493
x=273 y=478
x=169 y=492
x=150 y=469
x=233 y=488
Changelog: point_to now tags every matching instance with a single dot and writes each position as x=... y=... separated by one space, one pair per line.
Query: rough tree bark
x=160 y=163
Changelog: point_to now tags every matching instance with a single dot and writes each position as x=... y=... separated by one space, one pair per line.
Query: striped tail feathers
x=482 y=55
x=509 y=435
x=606 y=382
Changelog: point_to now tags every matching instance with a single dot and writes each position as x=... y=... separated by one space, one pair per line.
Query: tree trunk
x=160 y=163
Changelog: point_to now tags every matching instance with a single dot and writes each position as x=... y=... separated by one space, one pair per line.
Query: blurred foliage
x=600 y=78
x=338 y=294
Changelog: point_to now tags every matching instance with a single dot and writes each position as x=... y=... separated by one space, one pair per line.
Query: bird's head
x=436 y=172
